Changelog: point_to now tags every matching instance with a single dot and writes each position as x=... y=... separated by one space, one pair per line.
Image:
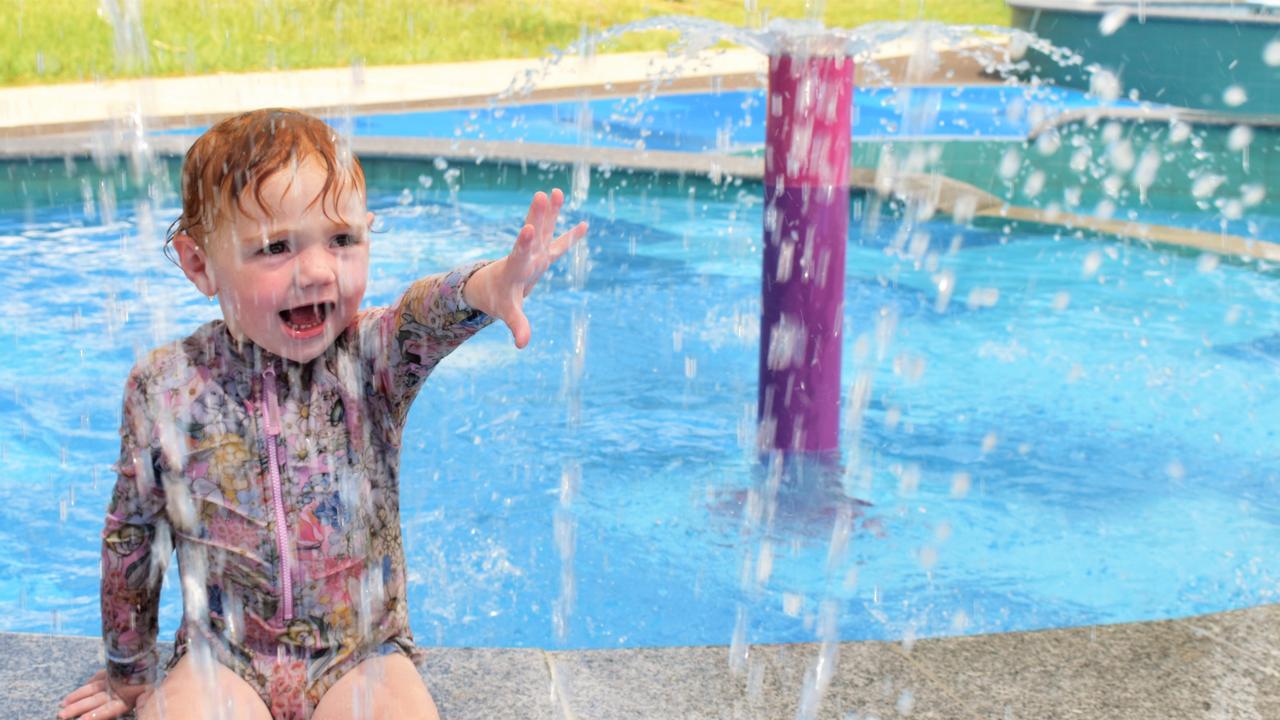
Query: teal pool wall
x=1187 y=62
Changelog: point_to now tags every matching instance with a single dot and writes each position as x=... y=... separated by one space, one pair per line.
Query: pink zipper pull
x=273 y=416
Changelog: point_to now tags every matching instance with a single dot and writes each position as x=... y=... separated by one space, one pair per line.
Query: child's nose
x=315 y=267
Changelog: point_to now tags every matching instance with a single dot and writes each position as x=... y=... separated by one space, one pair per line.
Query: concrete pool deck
x=1204 y=667
x=1212 y=666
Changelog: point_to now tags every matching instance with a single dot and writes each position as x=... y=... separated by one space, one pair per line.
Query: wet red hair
x=234 y=157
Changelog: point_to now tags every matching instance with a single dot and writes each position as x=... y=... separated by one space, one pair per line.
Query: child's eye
x=275 y=247
x=346 y=239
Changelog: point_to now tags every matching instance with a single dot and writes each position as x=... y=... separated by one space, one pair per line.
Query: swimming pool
x=1081 y=435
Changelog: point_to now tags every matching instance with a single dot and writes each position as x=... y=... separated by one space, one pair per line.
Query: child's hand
x=99 y=700
x=499 y=289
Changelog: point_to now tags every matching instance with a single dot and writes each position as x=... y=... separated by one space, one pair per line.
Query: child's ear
x=195 y=264
x=368 y=220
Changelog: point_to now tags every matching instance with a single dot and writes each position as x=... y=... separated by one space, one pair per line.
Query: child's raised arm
x=499 y=289
x=437 y=313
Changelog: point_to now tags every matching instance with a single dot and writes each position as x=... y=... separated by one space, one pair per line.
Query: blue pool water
x=1115 y=429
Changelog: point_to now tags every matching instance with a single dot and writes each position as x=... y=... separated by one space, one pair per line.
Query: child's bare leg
x=185 y=695
x=387 y=686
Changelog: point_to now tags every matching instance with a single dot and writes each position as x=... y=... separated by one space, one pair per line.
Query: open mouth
x=306 y=320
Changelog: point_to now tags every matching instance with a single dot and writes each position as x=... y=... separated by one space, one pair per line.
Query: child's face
x=288 y=277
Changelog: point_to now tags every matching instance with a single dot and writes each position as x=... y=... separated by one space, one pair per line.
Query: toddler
x=265 y=447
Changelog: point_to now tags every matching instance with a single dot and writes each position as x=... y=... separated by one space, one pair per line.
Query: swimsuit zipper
x=271 y=419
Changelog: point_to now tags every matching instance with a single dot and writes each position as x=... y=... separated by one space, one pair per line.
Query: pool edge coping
x=1176 y=668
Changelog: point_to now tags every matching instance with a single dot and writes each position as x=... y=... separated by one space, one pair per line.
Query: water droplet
x=1207 y=262
x=1271 y=53
x=1231 y=208
x=739 y=651
x=960 y=483
x=1034 y=184
x=928 y=558
x=1253 y=193
x=1121 y=156
x=786 y=343
x=983 y=297
x=1061 y=300
x=943 y=532
x=1080 y=160
x=989 y=443
x=1105 y=85
x=1092 y=262
x=792 y=604
x=1179 y=132
x=1112 y=20
x=1075 y=373
x=909 y=480
x=851 y=580
x=1206 y=185
x=764 y=563
x=946 y=284
x=906 y=703
x=1240 y=137
x=909 y=366
x=1145 y=173
x=1071 y=196
x=1175 y=470
x=1048 y=142
x=1234 y=96
x=1010 y=163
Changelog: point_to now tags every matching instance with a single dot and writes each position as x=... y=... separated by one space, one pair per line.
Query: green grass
x=70 y=40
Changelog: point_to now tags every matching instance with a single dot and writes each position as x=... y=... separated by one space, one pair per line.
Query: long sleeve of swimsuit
x=429 y=321
x=131 y=574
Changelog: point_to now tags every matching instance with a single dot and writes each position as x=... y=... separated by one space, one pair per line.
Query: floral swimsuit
x=278 y=485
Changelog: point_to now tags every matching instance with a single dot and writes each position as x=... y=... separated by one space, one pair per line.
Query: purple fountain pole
x=806 y=226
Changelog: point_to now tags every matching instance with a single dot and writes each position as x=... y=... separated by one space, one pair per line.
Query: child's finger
x=88 y=689
x=566 y=241
x=97 y=701
x=548 y=228
x=537 y=208
x=524 y=240
x=520 y=330
x=557 y=202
